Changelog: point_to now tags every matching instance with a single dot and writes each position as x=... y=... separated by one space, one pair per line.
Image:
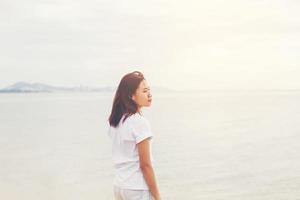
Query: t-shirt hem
x=130 y=187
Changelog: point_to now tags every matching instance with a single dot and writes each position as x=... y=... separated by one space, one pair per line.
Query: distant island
x=25 y=87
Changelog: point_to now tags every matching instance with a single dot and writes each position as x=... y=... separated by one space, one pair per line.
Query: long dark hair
x=122 y=103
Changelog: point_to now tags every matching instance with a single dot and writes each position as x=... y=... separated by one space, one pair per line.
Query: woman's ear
x=132 y=97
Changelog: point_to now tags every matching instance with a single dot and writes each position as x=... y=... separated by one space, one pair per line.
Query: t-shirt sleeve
x=141 y=130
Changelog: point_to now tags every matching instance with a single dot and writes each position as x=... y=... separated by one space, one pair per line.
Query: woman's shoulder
x=137 y=118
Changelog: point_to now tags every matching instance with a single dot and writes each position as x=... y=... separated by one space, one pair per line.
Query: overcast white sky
x=231 y=44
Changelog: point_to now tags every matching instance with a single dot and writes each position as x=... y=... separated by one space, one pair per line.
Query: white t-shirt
x=125 y=138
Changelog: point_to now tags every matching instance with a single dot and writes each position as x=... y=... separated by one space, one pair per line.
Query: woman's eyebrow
x=146 y=88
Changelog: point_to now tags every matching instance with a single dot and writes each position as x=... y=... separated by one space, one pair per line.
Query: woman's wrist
x=157 y=197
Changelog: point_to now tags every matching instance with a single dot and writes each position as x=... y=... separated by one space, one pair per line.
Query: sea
x=207 y=145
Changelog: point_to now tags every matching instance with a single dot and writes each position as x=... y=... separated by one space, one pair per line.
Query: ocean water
x=206 y=146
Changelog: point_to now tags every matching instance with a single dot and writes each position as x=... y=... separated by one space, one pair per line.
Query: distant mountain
x=40 y=87
x=20 y=87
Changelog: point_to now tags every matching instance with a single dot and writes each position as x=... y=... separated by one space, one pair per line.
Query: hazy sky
x=178 y=44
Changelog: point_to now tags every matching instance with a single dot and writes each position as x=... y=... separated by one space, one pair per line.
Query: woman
x=131 y=141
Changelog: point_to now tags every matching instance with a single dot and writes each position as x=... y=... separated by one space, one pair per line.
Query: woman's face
x=142 y=96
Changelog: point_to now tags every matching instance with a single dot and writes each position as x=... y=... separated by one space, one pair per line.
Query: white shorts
x=127 y=194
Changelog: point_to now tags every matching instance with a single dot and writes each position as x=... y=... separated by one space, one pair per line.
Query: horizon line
x=164 y=87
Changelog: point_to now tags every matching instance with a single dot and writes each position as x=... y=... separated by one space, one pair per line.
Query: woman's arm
x=146 y=167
